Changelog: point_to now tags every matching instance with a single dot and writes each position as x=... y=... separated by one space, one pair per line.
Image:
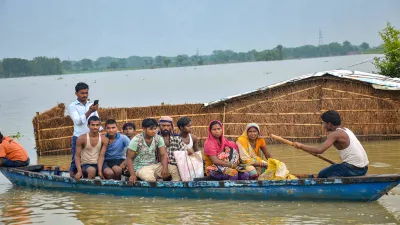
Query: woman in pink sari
x=221 y=155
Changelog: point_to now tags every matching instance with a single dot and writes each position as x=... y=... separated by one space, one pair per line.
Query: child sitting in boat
x=12 y=154
x=90 y=150
x=142 y=152
x=115 y=156
x=189 y=139
x=129 y=130
x=355 y=160
x=221 y=155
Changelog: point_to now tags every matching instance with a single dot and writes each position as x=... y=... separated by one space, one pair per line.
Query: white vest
x=354 y=154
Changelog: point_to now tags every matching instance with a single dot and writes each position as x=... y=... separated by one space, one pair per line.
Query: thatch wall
x=291 y=110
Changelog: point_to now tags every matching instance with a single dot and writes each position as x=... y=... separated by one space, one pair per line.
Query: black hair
x=182 y=122
x=126 y=125
x=213 y=123
x=81 y=86
x=149 y=123
x=332 y=117
x=1 y=136
x=93 y=118
x=111 y=121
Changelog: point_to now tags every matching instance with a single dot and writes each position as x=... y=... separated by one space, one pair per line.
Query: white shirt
x=354 y=154
x=76 y=110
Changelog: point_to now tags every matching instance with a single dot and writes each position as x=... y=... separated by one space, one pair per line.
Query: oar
x=292 y=144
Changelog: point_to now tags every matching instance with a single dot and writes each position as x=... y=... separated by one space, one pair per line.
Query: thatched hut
x=369 y=105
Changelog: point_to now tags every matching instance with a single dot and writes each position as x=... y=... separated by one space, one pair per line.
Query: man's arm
x=104 y=143
x=195 y=143
x=130 y=156
x=78 y=150
x=332 y=137
x=80 y=119
x=164 y=161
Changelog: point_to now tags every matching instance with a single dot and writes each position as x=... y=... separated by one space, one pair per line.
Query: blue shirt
x=117 y=149
x=76 y=110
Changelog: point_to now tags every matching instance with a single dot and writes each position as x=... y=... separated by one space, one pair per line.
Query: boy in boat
x=79 y=111
x=173 y=143
x=116 y=150
x=142 y=154
x=12 y=154
x=355 y=160
x=90 y=150
x=129 y=130
x=190 y=140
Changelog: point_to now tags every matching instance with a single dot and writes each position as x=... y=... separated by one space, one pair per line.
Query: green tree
x=86 y=64
x=1 y=68
x=390 y=64
x=66 y=65
x=364 y=46
x=280 y=51
x=113 y=65
x=166 y=61
x=159 y=60
x=180 y=59
x=77 y=66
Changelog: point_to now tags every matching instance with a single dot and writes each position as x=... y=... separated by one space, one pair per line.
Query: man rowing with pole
x=355 y=160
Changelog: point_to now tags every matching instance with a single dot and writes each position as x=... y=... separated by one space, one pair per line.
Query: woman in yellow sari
x=251 y=144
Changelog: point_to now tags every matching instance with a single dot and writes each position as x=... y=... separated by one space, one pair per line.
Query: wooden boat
x=363 y=188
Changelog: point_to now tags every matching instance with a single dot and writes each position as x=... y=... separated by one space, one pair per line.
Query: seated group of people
x=149 y=155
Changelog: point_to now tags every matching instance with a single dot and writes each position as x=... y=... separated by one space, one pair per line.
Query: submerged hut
x=368 y=103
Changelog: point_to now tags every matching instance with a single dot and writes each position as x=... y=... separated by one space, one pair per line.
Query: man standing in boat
x=173 y=143
x=142 y=154
x=355 y=160
x=90 y=150
x=115 y=157
x=80 y=110
x=12 y=154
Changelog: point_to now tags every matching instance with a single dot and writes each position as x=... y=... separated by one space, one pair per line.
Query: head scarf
x=244 y=139
x=212 y=147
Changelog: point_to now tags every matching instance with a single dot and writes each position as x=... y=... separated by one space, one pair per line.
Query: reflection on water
x=22 y=206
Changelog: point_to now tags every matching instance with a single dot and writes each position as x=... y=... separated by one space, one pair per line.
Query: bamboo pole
x=223 y=118
x=364 y=110
x=292 y=144
x=359 y=94
x=38 y=133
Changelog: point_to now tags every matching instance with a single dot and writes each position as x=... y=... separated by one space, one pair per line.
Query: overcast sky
x=77 y=29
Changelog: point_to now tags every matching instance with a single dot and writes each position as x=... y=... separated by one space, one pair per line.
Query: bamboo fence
x=292 y=111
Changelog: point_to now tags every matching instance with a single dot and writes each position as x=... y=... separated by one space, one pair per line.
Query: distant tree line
x=16 y=67
x=46 y=66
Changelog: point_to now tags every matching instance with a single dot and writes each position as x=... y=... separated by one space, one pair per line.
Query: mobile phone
x=96 y=102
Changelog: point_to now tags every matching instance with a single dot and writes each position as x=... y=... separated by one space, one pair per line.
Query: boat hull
x=368 y=188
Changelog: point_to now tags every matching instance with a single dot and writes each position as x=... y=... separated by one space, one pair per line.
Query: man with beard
x=173 y=143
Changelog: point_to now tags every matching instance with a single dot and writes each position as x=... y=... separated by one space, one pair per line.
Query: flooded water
x=22 y=97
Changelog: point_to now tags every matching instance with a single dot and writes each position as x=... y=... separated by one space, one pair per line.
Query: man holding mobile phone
x=80 y=111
